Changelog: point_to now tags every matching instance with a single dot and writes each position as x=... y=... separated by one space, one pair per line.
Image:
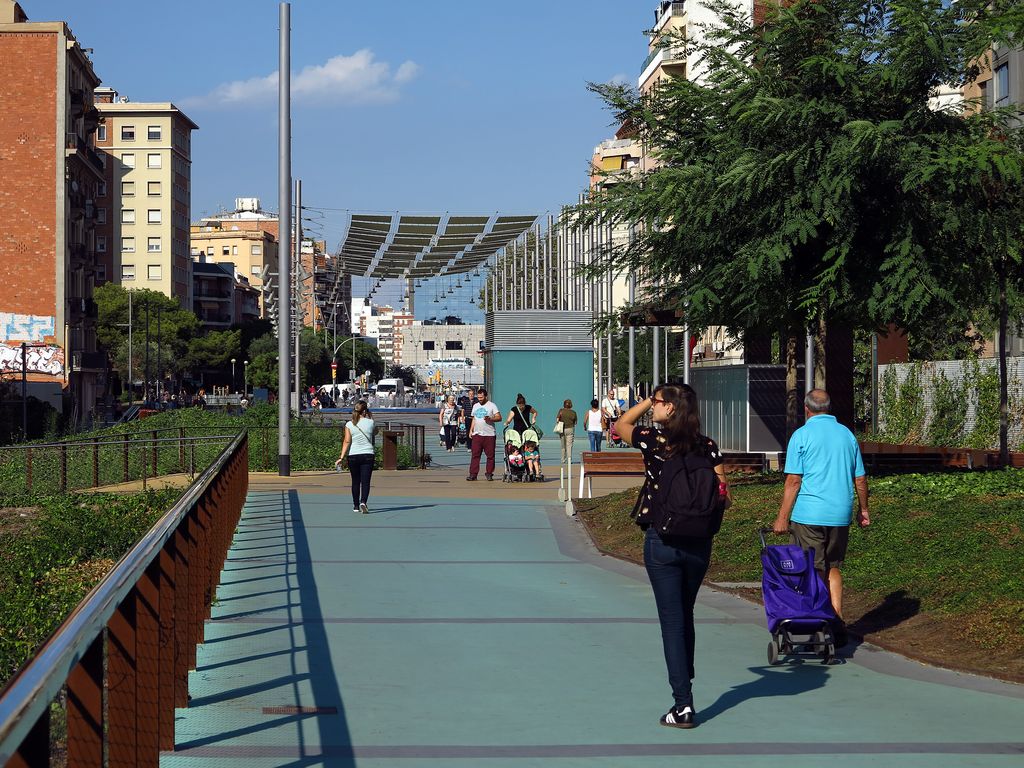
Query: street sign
x=351 y=374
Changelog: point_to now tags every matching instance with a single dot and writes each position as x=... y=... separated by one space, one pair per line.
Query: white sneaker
x=363 y=508
x=356 y=510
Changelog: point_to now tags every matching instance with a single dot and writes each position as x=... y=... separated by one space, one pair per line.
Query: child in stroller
x=531 y=452
x=515 y=464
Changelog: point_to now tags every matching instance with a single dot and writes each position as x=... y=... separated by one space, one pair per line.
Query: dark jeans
x=469 y=423
x=361 y=467
x=450 y=433
x=676 y=572
x=483 y=444
x=595 y=440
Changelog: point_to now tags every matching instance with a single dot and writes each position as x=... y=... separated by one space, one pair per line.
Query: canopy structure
x=406 y=246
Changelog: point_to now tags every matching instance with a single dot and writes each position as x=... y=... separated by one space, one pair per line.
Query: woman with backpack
x=680 y=509
x=358 y=444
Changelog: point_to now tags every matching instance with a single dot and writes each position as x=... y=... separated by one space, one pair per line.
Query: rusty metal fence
x=77 y=464
x=124 y=653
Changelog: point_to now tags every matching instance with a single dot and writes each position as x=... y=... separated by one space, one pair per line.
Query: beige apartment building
x=145 y=224
x=252 y=251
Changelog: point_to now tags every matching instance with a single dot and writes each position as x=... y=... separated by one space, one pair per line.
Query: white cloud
x=355 y=79
x=620 y=79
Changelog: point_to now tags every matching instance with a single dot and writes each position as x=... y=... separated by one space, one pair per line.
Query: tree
x=789 y=189
x=214 y=351
x=406 y=374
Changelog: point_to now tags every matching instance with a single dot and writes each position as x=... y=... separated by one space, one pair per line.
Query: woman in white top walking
x=358 y=444
x=448 y=419
x=595 y=427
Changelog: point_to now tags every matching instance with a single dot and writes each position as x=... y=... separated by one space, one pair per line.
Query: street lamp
x=334 y=356
x=232 y=373
x=245 y=378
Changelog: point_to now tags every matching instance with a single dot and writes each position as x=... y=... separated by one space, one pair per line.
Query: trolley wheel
x=773 y=651
x=829 y=654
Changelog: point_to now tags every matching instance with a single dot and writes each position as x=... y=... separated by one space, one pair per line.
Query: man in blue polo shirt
x=823 y=467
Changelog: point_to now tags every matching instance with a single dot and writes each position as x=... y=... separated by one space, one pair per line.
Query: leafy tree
x=406 y=374
x=214 y=351
x=804 y=178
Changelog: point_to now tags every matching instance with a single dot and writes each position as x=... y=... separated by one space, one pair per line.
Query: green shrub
x=949 y=411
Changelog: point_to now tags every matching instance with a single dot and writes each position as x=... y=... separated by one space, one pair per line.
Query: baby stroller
x=613 y=436
x=515 y=465
x=462 y=436
x=796 y=603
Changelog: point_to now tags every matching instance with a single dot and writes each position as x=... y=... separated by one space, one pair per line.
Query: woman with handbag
x=358 y=444
x=448 y=420
x=565 y=426
x=676 y=562
x=522 y=417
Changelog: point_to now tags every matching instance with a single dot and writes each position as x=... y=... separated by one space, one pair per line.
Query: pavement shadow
x=306 y=663
x=791 y=679
x=894 y=609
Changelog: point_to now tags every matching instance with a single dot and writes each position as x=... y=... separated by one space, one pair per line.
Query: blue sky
x=451 y=105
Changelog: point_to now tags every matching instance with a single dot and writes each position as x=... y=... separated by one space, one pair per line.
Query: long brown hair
x=682 y=429
x=359 y=410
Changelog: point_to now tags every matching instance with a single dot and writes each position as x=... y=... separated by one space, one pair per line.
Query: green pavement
x=472 y=624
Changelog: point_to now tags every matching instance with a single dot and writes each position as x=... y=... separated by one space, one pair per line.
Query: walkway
x=472 y=624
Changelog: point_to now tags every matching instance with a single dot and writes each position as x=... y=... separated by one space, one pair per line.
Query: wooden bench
x=631 y=463
x=608 y=464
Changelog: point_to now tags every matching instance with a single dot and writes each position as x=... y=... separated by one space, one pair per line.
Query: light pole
x=245 y=378
x=232 y=374
x=334 y=356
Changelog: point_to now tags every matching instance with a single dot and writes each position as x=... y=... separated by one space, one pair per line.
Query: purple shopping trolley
x=796 y=603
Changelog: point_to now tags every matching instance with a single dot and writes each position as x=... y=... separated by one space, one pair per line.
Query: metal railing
x=73 y=465
x=125 y=652
x=264 y=442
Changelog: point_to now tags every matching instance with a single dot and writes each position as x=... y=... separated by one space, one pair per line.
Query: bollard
x=389 y=449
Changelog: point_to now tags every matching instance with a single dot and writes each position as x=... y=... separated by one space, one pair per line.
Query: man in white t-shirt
x=610 y=409
x=482 y=434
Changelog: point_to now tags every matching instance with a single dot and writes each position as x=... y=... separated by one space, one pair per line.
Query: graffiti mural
x=40 y=360
x=15 y=327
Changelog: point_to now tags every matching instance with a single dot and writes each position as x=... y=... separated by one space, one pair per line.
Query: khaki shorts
x=828 y=542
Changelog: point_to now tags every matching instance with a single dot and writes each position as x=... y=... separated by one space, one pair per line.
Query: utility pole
x=284 y=183
x=131 y=388
x=159 y=358
x=145 y=384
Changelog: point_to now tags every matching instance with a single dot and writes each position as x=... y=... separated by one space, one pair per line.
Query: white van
x=390 y=388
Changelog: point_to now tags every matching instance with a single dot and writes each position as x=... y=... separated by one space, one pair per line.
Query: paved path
x=471 y=624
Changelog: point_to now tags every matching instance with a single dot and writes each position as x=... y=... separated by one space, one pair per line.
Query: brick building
x=51 y=181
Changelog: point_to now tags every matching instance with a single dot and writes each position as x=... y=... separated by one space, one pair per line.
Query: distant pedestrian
x=595 y=425
x=448 y=419
x=567 y=418
x=611 y=411
x=823 y=467
x=679 y=508
x=468 y=404
x=482 y=434
x=358 y=444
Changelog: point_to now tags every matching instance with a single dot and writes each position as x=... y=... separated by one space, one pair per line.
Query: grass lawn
x=939 y=575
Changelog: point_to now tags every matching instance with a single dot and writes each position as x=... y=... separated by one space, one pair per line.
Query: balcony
x=88 y=362
x=666 y=12
x=76 y=146
x=82 y=309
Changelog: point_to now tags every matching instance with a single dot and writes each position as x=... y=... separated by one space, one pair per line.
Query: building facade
x=52 y=179
x=423 y=343
x=145 y=226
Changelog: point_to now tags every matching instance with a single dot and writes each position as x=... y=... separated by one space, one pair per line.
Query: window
x=153 y=216
x=256 y=250
x=153 y=245
x=225 y=250
x=101 y=273
x=482 y=342
x=155 y=272
x=101 y=215
x=128 y=245
x=101 y=244
x=127 y=271
x=1002 y=82
x=453 y=344
x=196 y=252
x=101 y=133
x=101 y=189
x=153 y=132
x=209 y=250
x=153 y=160
x=234 y=250
x=153 y=188
x=127 y=215
x=128 y=158
x=428 y=345
x=127 y=133
x=255 y=270
x=127 y=188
